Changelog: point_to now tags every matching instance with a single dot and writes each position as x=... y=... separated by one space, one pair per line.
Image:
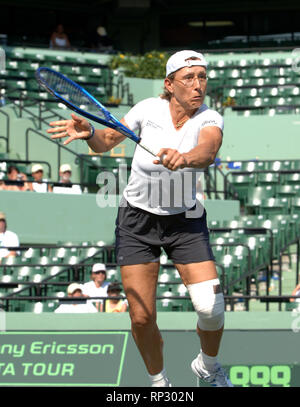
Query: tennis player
x=187 y=136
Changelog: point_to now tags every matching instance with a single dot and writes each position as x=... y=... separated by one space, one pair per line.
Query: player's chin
x=196 y=101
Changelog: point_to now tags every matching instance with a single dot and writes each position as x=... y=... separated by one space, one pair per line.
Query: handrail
x=271 y=298
x=231 y=298
x=59 y=147
x=7 y=130
x=231 y=191
x=39 y=117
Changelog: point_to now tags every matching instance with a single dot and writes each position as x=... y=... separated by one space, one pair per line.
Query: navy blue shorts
x=140 y=236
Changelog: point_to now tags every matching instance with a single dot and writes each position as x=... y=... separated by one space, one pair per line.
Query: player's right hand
x=74 y=129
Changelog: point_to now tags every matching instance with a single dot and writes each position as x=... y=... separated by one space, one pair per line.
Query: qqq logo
x=261 y=375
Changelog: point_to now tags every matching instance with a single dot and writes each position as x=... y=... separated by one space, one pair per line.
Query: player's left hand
x=171 y=159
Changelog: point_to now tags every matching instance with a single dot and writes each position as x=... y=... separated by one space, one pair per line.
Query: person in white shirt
x=59 y=39
x=40 y=184
x=97 y=287
x=296 y=292
x=75 y=291
x=65 y=185
x=7 y=239
x=159 y=210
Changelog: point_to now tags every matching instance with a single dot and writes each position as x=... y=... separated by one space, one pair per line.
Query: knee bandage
x=208 y=302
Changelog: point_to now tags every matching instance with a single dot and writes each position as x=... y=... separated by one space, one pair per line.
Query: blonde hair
x=166 y=94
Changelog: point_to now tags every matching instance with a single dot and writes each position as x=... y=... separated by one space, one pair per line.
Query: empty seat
x=274 y=206
x=285 y=191
x=242 y=183
x=257 y=194
x=295 y=206
x=269 y=178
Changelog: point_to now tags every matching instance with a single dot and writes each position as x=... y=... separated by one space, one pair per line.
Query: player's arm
x=201 y=156
x=204 y=154
x=106 y=139
x=79 y=128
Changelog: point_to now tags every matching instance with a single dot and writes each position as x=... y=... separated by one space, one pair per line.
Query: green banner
x=253 y=358
x=62 y=358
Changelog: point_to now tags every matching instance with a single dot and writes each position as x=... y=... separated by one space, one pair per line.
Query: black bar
x=7 y=130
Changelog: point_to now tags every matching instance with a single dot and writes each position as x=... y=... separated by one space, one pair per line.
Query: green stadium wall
x=50 y=218
x=263 y=137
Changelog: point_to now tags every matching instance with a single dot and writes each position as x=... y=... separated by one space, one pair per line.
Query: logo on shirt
x=154 y=125
x=209 y=122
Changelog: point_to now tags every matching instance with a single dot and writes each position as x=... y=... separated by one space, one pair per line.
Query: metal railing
x=230 y=300
x=81 y=158
x=7 y=137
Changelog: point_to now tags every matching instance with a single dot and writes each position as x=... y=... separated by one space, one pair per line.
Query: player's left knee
x=208 y=301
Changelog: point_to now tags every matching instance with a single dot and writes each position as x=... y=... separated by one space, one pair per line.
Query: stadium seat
x=295 y=206
x=269 y=178
x=242 y=183
x=279 y=165
x=285 y=191
x=274 y=206
x=257 y=194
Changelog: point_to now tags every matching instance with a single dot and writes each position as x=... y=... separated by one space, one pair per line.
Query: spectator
x=103 y=42
x=79 y=305
x=15 y=180
x=65 y=185
x=59 y=39
x=39 y=184
x=7 y=239
x=97 y=287
x=115 y=305
x=296 y=292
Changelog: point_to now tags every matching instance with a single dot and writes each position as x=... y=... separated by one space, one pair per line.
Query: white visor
x=181 y=59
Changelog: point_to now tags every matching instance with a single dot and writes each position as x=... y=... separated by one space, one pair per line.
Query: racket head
x=70 y=93
x=80 y=100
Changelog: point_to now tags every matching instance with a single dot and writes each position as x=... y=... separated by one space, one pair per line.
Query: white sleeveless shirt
x=152 y=187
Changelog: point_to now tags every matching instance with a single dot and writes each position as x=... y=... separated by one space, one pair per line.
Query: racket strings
x=72 y=93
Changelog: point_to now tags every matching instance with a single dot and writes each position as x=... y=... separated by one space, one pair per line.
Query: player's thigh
x=139 y=283
x=194 y=273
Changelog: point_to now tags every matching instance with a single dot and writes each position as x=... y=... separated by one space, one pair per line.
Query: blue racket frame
x=110 y=121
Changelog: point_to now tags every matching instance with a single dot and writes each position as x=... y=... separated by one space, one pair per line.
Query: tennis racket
x=78 y=99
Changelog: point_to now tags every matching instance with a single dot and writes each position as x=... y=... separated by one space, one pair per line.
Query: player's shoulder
x=207 y=116
x=151 y=102
x=206 y=111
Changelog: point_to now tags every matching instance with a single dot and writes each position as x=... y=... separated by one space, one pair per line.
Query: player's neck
x=179 y=115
